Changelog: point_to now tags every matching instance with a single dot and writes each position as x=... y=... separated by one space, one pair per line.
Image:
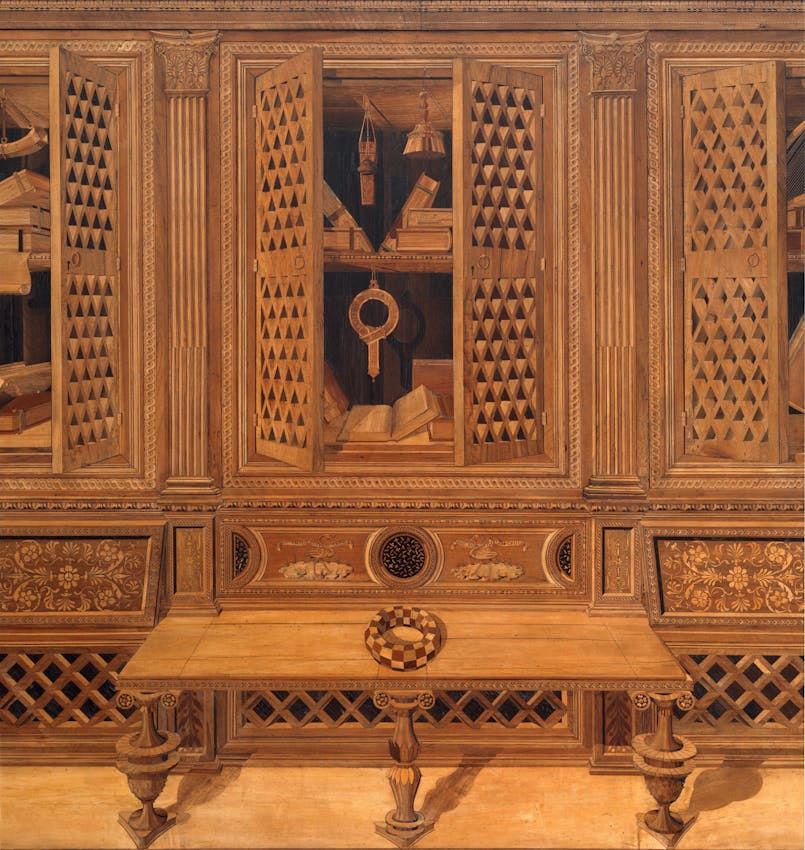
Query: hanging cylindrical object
x=367 y=157
x=424 y=141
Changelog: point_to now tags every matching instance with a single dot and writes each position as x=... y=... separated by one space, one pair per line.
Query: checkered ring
x=399 y=654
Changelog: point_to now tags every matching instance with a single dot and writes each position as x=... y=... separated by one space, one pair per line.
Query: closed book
x=24 y=188
x=422 y=195
x=428 y=217
x=24 y=411
x=24 y=218
x=424 y=240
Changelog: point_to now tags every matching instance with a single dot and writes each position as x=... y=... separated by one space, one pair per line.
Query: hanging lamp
x=424 y=141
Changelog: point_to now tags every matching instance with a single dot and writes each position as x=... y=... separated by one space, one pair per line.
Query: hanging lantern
x=367 y=157
x=424 y=141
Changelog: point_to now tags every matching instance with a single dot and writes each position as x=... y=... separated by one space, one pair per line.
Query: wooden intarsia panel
x=72 y=576
x=506 y=362
x=536 y=710
x=499 y=173
x=86 y=374
x=732 y=189
x=62 y=688
x=744 y=692
x=730 y=577
x=289 y=271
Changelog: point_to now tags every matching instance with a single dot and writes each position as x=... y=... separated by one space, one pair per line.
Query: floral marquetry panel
x=730 y=577
x=87 y=579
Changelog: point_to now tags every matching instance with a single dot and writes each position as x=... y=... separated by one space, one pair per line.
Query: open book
x=383 y=422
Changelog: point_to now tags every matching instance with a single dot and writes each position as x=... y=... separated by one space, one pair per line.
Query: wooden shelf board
x=387 y=262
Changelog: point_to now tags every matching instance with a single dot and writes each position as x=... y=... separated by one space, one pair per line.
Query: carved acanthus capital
x=614 y=59
x=187 y=60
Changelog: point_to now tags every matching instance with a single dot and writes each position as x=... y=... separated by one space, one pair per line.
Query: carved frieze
x=724 y=577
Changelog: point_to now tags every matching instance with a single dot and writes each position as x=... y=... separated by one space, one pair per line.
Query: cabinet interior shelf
x=387 y=262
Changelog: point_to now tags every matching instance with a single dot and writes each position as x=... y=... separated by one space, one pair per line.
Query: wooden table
x=489 y=647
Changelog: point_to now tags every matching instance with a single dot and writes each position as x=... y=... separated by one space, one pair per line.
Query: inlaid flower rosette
x=72 y=576
x=731 y=577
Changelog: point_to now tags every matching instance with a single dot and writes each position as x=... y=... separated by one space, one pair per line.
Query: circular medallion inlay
x=403 y=556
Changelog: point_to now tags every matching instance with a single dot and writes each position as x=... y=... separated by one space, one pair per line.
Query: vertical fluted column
x=614 y=62
x=189 y=552
x=187 y=60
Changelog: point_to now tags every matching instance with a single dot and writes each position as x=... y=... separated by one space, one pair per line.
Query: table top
x=495 y=647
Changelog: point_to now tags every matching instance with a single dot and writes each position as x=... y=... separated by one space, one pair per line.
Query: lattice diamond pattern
x=90 y=201
x=58 y=688
x=503 y=170
x=727 y=186
x=283 y=364
x=729 y=359
x=333 y=709
x=281 y=155
x=90 y=359
x=754 y=691
x=505 y=358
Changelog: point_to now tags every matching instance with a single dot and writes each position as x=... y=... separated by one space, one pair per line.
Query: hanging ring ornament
x=371 y=335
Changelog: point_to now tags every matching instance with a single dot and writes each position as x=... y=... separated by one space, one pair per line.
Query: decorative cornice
x=744 y=7
x=614 y=58
x=187 y=60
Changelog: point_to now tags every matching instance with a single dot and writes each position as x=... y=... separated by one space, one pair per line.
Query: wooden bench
x=489 y=647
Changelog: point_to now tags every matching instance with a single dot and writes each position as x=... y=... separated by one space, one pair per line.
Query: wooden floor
x=740 y=808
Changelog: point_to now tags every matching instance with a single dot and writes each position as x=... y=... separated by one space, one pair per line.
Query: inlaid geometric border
x=663 y=59
x=240 y=473
x=140 y=418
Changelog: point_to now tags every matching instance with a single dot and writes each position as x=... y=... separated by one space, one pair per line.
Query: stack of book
x=24 y=229
x=420 y=228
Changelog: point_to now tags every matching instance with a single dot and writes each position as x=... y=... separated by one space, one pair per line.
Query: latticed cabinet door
x=498 y=266
x=734 y=276
x=85 y=264
x=289 y=309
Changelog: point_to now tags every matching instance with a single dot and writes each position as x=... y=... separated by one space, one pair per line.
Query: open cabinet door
x=498 y=263
x=735 y=263
x=85 y=262
x=290 y=272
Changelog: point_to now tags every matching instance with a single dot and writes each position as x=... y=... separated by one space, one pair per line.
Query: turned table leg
x=664 y=760
x=404 y=826
x=146 y=758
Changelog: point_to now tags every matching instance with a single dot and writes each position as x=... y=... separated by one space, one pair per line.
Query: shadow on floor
x=200 y=787
x=718 y=787
x=448 y=791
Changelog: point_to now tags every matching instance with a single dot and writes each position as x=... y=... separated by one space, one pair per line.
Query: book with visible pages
x=428 y=217
x=25 y=188
x=376 y=423
x=335 y=239
x=24 y=218
x=422 y=196
x=22 y=240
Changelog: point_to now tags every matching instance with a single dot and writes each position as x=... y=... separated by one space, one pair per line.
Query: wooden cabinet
x=501 y=344
x=93 y=353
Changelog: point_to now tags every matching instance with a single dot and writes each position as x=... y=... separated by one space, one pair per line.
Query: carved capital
x=187 y=60
x=614 y=59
